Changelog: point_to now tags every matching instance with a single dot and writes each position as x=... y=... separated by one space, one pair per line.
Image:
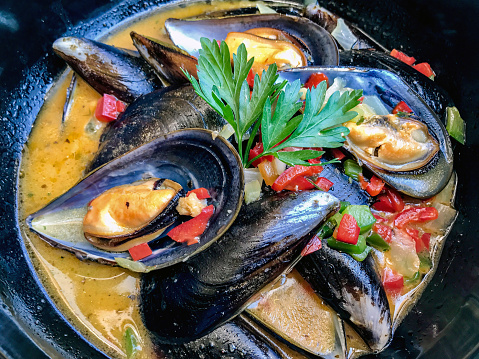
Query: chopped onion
x=403 y=254
x=363 y=110
x=252 y=191
x=133 y=266
x=263 y=9
x=376 y=104
x=279 y=165
x=444 y=220
x=252 y=174
x=338 y=85
x=344 y=36
x=227 y=131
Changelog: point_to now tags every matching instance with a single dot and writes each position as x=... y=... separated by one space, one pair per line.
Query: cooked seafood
x=130 y=214
x=186 y=301
x=207 y=284
x=432 y=177
x=391 y=142
x=189 y=157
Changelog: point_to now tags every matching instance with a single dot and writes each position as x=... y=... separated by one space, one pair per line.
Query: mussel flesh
x=391 y=142
x=141 y=210
x=191 y=158
x=186 y=301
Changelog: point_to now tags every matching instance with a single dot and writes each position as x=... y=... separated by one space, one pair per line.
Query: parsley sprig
x=271 y=105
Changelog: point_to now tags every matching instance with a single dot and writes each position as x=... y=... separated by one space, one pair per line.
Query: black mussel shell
x=353 y=289
x=186 y=301
x=193 y=158
x=321 y=46
x=119 y=72
x=424 y=182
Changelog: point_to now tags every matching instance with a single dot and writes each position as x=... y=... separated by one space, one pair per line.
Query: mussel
x=119 y=72
x=191 y=158
x=188 y=300
x=434 y=173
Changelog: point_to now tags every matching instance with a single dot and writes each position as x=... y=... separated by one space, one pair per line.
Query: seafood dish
x=240 y=180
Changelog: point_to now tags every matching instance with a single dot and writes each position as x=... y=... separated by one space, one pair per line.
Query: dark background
x=445 y=324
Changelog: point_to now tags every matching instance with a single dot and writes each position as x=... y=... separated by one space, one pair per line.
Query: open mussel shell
x=318 y=43
x=119 y=72
x=186 y=301
x=193 y=158
x=390 y=88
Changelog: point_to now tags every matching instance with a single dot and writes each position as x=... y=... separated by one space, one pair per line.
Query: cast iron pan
x=445 y=323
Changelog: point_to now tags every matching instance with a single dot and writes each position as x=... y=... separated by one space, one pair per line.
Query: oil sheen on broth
x=101 y=301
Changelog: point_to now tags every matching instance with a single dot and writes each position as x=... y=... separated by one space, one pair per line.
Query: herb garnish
x=228 y=93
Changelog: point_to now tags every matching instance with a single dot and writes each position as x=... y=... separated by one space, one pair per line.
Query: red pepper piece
x=375 y=186
x=361 y=99
x=415 y=215
x=383 y=230
x=426 y=240
x=392 y=281
x=140 y=251
x=395 y=199
x=401 y=107
x=348 y=230
x=299 y=184
x=201 y=193
x=313 y=245
x=257 y=150
x=190 y=231
x=315 y=79
x=362 y=181
x=337 y=153
x=324 y=184
x=379 y=219
x=108 y=107
x=288 y=176
x=403 y=57
x=425 y=69
x=316 y=169
x=414 y=234
x=250 y=78
x=384 y=204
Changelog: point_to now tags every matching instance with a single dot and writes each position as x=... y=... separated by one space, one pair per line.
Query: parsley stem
x=252 y=136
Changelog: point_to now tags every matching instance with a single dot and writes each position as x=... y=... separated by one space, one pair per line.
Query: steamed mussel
x=192 y=300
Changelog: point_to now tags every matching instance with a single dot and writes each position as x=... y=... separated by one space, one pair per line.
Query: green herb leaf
x=298 y=157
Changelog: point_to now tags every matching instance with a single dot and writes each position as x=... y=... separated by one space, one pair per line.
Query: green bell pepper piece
x=363 y=216
x=352 y=169
x=362 y=256
x=344 y=205
x=455 y=125
x=376 y=241
x=357 y=248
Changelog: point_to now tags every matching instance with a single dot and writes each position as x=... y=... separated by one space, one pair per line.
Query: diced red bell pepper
x=362 y=181
x=108 y=108
x=392 y=281
x=426 y=240
x=383 y=230
x=379 y=219
x=395 y=199
x=315 y=79
x=361 y=99
x=375 y=186
x=425 y=69
x=348 y=230
x=414 y=234
x=201 y=193
x=288 y=176
x=403 y=57
x=191 y=230
x=401 y=107
x=299 y=184
x=383 y=204
x=316 y=170
x=257 y=150
x=250 y=78
x=415 y=215
x=337 y=153
x=140 y=251
x=313 y=245
x=324 y=184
